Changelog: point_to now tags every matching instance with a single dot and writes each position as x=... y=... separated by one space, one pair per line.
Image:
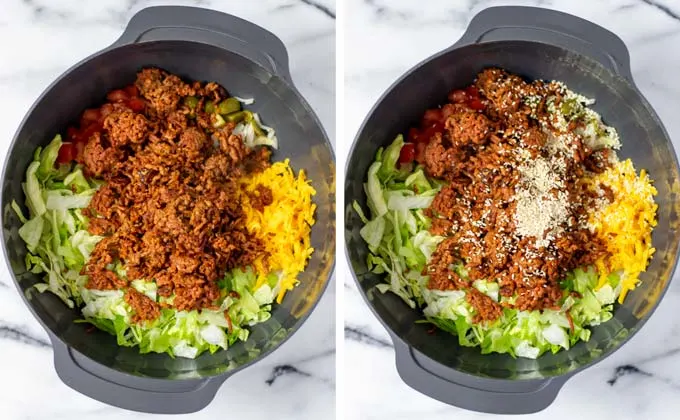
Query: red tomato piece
x=472 y=91
x=432 y=116
x=105 y=110
x=117 y=95
x=476 y=104
x=66 y=153
x=408 y=153
x=430 y=131
x=131 y=91
x=136 y=104
x=91 y=129
x=71 y=133
x=413 y=134
x=420 y=152
x=457 y=96
x=447 y=111
x=79 y=146
x=89 y=116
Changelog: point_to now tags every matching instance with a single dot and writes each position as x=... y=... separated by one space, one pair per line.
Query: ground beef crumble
x=261 y=197
x=169 y=210
x=486 y=155
x=144 y=308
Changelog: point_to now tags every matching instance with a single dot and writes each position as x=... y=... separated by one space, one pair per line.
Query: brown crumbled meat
x=441 y=158
x=125 y=127
x=170 y=210
x=261 y=197
x=466 y=126
x=598 y=161
x=502 y=89
x=441 y=227
x=258 y=161
x=99 y=159
x=162 y=90
x=607 y=192
x=143 y=307
x=193 y=143
x=441 y=276
x=175 y=124
x=486 y=308
x=476 y=211
x=232 y=146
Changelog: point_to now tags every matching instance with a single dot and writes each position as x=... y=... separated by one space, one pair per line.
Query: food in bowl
x=163 y=219
x=508 y=218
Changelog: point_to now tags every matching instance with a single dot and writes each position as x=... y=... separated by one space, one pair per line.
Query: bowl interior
x=301 y=139
x=620 y=104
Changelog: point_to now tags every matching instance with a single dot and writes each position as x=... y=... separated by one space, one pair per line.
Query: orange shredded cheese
x=625 y=224
x=284 y=226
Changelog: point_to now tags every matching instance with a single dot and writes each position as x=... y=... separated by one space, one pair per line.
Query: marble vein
x=16 y=333
x=632 y=370
x=320 y=7
x=282 y=370
x=38 y=10
x=359 y=335
x=293 y=368
x=665 y=9
x=627 y=370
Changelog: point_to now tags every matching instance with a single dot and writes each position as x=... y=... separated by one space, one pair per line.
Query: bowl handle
x=148 y=395
x=473 y=392
x=184 y=23
x=520 y=23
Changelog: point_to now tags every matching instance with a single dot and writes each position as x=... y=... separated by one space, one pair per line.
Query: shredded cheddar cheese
x=625 y=224
x=284 y=226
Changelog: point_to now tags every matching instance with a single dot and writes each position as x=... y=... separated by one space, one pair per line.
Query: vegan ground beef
x=513 y=210
x=169 y=208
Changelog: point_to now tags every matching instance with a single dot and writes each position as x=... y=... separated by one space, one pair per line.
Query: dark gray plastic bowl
x=538 y=44
x=248 y=61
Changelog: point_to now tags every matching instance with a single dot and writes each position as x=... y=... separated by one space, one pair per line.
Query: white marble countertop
x=41 y=39
x=383 y=39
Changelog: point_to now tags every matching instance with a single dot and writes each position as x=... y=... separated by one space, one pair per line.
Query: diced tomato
x=427 y=134
x=79 y=146
x=472 y=91
x=66 y=153
x=447 y=111
x=105 y=110
x=91 y=129
x=432 y=116
x=457 y=96
x=420 y=151
x=136 y=104
x=131 y=91
x=408 y=153
x=71 y=133
x=476 y=104
x=117 y=95
x=89 y=116
x=413 y=134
